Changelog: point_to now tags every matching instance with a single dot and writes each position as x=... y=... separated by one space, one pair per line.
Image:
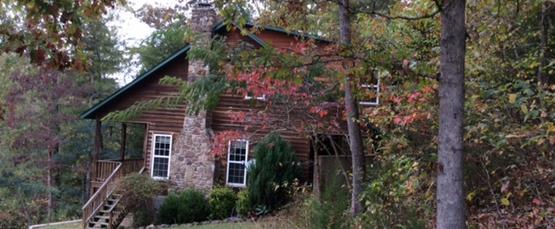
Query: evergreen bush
x=222 y=202
x=271 y=177
x=184 y=207
x=243 y=206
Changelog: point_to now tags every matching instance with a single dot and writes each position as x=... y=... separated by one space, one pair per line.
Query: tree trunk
x=355 y=140
x=50 y=182
x=87 y=182
x=49 y=187
x=450 y=193
x=544 y=38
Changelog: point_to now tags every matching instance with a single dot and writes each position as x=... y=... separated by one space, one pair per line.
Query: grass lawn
x=243 y=225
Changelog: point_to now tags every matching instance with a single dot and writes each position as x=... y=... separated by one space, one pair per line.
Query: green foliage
x=138 y=192
x=102 y=49
x=169 y=209
x=42 y=104
x=244 y=206
x=139 y=187
x=222 y=201
x=389 y=199
x=184 y=207
x=47 y=39
x=330 y=211
x=138 y=108
x=203 y=94
x=161 y=43
x=271 y=178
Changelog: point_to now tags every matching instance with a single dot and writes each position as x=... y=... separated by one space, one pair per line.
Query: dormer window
x=371 y=91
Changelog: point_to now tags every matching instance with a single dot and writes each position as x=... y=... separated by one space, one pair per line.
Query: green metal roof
x=91 y=112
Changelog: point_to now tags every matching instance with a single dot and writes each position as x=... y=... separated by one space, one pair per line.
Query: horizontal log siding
x=163 y=120
x=222 y=121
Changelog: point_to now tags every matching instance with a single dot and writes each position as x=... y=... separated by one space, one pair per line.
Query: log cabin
x=177 y=146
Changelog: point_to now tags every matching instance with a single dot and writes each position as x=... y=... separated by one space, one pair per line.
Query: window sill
x=160 y=178
x=236 y=185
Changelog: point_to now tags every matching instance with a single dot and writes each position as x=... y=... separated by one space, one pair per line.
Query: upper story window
x=262 y=98
x=237 y=155
x=371 y=87
x=161 y=154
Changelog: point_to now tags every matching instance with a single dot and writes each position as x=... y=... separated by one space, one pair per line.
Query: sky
x=132 y=30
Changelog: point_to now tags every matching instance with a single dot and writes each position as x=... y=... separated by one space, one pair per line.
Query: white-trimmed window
x=161 y=153
x=261 y=98
x=372 y=88
x=237 y=155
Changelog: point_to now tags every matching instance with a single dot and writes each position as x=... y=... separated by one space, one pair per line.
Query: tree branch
x=390 y=17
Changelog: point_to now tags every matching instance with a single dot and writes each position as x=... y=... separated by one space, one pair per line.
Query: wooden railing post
x=123 y=141
x=96 y=202
x=98 y=144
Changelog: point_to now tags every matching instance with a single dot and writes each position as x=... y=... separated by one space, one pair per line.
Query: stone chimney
x=203 y=18
x=192 y=163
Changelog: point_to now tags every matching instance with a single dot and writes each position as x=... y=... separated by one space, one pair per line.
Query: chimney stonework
x=192 y=164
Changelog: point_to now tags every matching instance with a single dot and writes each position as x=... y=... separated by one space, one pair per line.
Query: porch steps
x=109 y=211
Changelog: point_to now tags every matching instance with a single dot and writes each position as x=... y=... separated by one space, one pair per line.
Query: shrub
x=388 y=197
x=138 y=192
x=184 y=207
x=244 y=206
x=169 y=209
x=271 y=177
x=222 y=201
x=329 y=211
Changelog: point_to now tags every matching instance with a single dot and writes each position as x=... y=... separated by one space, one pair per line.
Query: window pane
x=238 y=151
x=160 y=167
x=236 y=173
x=162 y=145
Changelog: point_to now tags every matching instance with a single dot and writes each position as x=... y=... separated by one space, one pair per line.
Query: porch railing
x=97 y=200
x=132 y=166
x=103 y=168
x=108 y=172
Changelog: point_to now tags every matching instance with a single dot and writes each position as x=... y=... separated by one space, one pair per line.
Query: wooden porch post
x=98 y=145
x=123 y=141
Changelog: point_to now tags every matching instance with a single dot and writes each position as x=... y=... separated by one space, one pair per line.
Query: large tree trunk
x=450 y=193
x=543 y=79
x=355 y=140
x=49 y=207
x=50 y=181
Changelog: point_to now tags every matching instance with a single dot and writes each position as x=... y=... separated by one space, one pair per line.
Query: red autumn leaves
x=416 y=99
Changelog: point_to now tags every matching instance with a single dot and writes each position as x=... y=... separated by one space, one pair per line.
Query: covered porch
x=125 y=148
x=121 y=155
